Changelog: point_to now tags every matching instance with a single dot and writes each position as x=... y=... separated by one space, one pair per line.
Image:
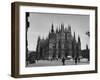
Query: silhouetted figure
x=76 y=60
x=63 y=61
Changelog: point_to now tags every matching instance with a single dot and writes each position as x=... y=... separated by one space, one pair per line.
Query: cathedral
x=60 y=43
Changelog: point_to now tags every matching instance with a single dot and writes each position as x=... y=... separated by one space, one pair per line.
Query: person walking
x=76 y=60
x=63 y=61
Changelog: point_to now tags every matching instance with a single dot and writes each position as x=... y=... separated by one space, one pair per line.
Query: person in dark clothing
x=76 y=60
x=63 y=61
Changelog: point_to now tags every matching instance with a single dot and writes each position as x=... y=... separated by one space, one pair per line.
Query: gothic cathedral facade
x=59 y=44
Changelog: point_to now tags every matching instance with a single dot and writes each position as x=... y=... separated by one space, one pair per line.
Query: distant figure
x=63 y=61
x=76 y=60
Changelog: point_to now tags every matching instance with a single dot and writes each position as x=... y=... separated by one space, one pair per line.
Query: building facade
x=59 y=44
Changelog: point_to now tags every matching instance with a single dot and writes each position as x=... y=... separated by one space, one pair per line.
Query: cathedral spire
x=57 y=30
x=79 y=39
x=87 y=47
x=52 y=29
x=69 y=28
x=38 y=39
x=74 y=36
x=62 y=27
x=65 y=29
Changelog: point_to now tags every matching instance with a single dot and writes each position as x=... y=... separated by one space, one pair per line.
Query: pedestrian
x=63 y=61
x=76 y=60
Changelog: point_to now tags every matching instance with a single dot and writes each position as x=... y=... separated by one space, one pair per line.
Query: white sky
x=40 y=25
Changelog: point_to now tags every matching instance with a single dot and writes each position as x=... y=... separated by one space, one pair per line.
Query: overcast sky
x=40 y=25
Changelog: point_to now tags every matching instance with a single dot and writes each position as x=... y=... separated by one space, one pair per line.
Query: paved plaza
x=40 y=63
